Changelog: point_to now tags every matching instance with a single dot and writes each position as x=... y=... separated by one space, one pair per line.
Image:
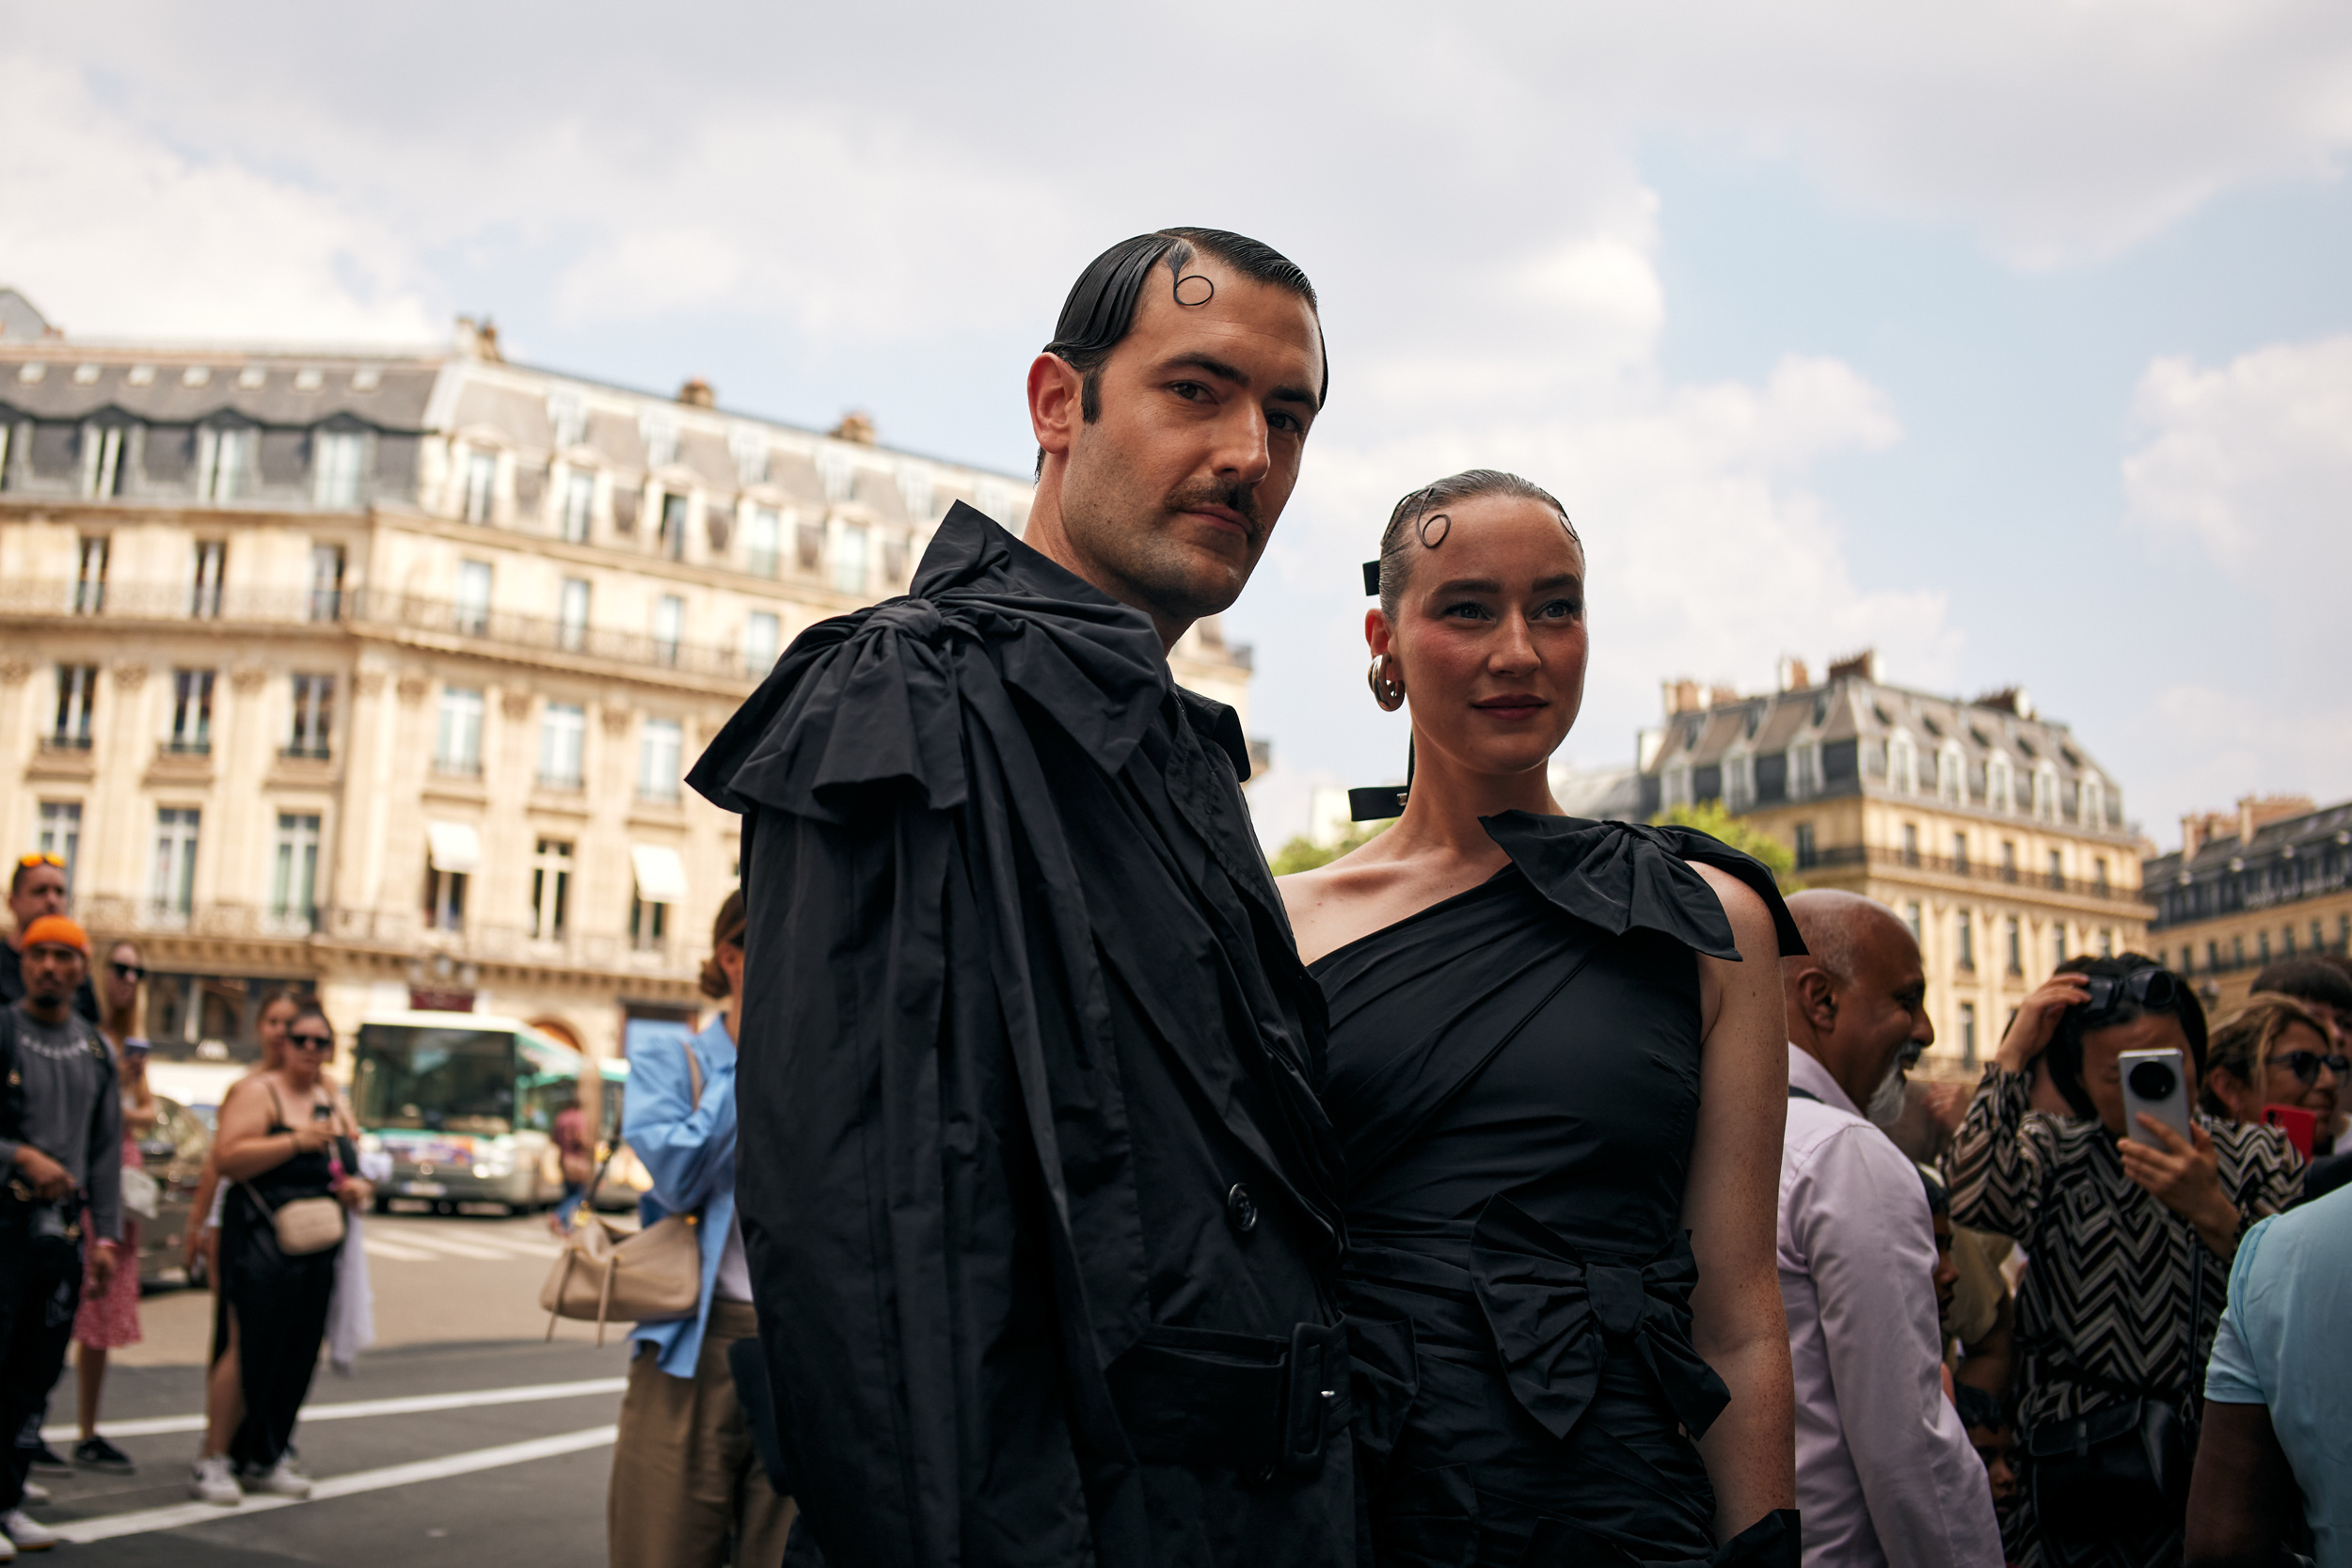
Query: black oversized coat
x=1040 y=1208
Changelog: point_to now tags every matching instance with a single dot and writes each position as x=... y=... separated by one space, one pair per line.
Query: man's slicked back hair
x=1101 y=309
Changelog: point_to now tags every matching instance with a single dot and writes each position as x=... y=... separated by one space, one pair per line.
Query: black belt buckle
x=1314 y=1394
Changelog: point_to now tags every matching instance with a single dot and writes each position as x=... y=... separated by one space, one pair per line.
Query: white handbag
x=142 y=1194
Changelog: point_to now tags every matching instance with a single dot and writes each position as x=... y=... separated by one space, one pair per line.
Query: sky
x=2013 y=340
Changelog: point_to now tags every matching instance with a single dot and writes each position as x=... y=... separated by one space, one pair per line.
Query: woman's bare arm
x=1731 y=1207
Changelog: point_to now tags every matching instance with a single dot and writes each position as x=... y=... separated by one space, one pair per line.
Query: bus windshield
x=438 y=1080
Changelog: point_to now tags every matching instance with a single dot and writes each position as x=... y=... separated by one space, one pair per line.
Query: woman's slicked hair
x=725 y=931
x=1101 y=309
x=1420 y=518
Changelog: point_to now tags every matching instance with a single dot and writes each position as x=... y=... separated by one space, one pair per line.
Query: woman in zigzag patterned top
x=2129 y=1243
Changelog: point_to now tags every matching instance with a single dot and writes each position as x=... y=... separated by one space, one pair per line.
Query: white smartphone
x=2154 y=1085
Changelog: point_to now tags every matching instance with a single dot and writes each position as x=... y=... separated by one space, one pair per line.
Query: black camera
x=2152 y=1081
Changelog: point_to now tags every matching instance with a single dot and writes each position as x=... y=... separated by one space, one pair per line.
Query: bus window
x=440 y=1079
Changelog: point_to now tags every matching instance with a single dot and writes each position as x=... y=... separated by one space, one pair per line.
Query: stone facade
x=2277 y=884
x=379 y=672
x=1992 y=832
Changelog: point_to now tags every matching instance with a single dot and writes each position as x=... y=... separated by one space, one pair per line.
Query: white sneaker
x=25 y=1532
x=284 y=1480
x=35 y=1494
x=210 y=1481
x=8 y=1549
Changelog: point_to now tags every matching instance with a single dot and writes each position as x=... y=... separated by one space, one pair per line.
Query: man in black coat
x=1041 y=1212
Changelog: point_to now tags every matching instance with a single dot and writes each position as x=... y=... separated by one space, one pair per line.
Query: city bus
x=465 y=1104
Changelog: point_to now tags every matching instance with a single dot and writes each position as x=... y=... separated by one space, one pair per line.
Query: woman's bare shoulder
x=1752 y=928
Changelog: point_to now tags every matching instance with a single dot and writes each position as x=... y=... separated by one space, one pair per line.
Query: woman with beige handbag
x=281 y=1228
x=687 y=1490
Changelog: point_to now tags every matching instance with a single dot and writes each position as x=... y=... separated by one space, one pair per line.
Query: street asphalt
x=462 y=1438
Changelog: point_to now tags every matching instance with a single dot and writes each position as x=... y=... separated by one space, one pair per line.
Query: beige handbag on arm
x=614 y=1274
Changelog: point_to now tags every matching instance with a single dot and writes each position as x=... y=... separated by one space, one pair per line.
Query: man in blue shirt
x=2279 y=1395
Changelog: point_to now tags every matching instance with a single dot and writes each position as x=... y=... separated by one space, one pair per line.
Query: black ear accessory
x=1378 y=803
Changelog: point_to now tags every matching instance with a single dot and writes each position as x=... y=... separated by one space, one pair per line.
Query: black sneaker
x=96 y=1453
x=40 y=1456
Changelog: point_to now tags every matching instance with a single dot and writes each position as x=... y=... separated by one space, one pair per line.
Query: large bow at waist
x=1554 y=1314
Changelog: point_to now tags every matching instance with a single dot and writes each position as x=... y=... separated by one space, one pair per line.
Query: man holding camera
x=61 y=1142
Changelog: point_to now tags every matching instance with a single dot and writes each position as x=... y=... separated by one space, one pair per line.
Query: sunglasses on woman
x=2305 y=1065
x=311 y=1042
x=128 y=972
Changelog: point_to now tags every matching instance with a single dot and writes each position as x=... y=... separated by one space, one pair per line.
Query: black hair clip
x=1376 y=803
x=1372 y=578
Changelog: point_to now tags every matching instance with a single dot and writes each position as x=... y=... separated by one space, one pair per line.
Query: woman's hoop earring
x=1387 y=689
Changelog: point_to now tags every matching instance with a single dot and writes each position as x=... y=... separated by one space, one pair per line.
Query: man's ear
x=2224 y=1085
x=1816 y=1001
x=1055 y=410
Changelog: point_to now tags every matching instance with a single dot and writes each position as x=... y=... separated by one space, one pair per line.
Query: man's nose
x=1245 y=450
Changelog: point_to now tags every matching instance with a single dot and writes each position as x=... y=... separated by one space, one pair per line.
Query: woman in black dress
x=278 y=1144
x=1560 y=1093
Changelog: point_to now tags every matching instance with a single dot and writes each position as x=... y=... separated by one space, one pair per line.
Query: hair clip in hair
x=1372 y=578
x=1441 y=521
x=1186 y=295
x=1376 y=803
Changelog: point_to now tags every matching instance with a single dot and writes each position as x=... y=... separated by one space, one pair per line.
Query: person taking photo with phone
x=2131 y=1227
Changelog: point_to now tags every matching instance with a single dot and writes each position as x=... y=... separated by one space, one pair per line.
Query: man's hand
x=101 y=1266
x=49 y=1179
x=2030 y=1033
x=2185 y=1176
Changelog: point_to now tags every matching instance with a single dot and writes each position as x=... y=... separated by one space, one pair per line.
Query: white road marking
x=450 y=1246
x=526 y=1243
x=183 y=1514
x=354 y=1410
x=394 y=1252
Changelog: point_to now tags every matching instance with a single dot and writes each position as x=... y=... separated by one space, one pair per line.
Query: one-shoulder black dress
x=1515 y=1078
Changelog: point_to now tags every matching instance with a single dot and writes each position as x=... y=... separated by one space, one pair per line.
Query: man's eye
x=1192 y=391
x=1284 y=422
x=1470 y=610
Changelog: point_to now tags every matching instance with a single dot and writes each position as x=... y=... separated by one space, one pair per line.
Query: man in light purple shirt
x=1885 y=1472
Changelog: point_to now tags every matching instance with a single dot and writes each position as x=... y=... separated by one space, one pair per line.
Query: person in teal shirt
x=2279 y=1395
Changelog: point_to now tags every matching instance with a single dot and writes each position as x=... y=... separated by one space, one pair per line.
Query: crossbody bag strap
x=693 y=1077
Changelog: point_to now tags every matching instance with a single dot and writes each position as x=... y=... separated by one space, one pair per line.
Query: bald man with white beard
x=1885 y=1474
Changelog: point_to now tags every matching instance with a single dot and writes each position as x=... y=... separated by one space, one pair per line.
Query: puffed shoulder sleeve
x=1622 y=875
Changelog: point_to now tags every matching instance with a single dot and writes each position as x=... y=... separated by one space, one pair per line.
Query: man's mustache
x=1242 y=498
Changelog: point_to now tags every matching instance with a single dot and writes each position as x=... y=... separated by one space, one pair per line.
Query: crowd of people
x=1513 y=1190
x=268 y=1228
x=1066 y=1192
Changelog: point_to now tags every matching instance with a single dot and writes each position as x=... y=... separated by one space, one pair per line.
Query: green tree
x=1304 y=854
x=1715 y=822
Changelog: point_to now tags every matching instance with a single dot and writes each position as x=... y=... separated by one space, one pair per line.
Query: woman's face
x=2280 y=1086
x=1490 y=637
x=122 y=994
x=270 y=1028
x=2103 y=1080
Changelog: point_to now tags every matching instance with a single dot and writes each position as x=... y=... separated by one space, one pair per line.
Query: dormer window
x=1902 y=763
x=750 y=449
x=660 y=441
x=568 y=419
x=1999 y=782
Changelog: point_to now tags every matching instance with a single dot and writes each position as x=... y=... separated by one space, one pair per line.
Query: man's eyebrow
x=1565 y=579
x=1294 y=394
x=1214 y=366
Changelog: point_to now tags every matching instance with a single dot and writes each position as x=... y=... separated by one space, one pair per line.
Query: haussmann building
x=378 y=673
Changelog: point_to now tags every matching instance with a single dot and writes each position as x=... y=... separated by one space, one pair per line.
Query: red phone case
x=2297 y=1123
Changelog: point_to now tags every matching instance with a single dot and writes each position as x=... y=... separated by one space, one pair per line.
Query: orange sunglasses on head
x=26 y=862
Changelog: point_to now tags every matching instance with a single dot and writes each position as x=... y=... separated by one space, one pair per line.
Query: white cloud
x=2250 y=462
x=110 y=228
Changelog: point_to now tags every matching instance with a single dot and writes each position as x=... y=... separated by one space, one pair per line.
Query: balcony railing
x=381 y=612
x=1908 y=860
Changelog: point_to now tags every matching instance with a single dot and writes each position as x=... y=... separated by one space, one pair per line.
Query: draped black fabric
x=1028 y=1080
x=1515 y=1079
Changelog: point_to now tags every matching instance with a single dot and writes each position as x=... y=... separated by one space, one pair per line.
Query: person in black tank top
x=277 y=1148
x=1557 y=1071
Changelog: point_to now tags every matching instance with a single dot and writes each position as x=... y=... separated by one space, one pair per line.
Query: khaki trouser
x=685 y=1481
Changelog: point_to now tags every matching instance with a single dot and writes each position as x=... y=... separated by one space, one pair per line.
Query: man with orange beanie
x=61 y=1150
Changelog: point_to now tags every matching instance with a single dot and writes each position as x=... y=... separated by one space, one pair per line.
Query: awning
x=661 y=875
x=455 y=845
